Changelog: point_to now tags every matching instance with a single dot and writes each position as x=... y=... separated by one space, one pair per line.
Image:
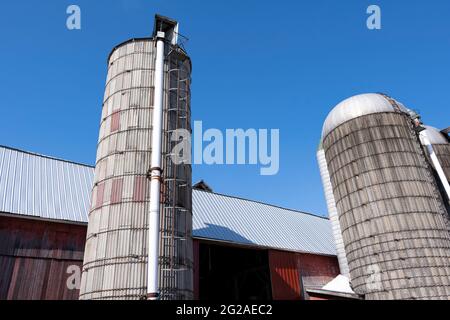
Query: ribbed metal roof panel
x=49 y=188
x=248 y=222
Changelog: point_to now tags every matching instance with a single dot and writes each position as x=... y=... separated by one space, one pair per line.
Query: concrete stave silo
x=393 y=220
x=117 y=250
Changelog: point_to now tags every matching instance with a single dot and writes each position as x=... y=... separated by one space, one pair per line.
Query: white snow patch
x=339 y=284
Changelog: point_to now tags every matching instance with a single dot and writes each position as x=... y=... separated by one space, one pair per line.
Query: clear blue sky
x=257 y=64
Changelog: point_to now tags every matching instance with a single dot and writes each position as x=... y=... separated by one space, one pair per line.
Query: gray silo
x=117 y=247
x=392 y=216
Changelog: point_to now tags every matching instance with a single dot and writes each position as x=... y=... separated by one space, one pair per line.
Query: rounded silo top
x=355 y=107
x=434 y=135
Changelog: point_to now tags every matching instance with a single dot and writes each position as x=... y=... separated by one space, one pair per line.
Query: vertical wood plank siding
x=284 y=275
x=292 y=273
x=35 y=257
x=196 y=244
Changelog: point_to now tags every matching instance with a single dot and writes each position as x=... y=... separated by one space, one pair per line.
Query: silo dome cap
x=358 y=106
x=434 y=136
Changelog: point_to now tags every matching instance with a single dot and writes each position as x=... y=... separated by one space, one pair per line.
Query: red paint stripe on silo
x=115 y=121
x=100 y=193
x=116 y=191
x=140 y=188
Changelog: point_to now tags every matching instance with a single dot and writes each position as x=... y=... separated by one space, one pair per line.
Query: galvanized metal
x=443 y=154
x=394 y=223
x=117 y=241
x=436 y=164
x=356 y=106
x=176 y=231
x=43 y=187
x=435 y=136
x=155 y=172
x=232 y=219
x=441 y=147
x=216 y=216
x=333 y=213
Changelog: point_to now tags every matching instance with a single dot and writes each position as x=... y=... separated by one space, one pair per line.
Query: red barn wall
x=35 y=257
x=317 y=269
x=291 y=272
x=196 y=246
x=284 y=275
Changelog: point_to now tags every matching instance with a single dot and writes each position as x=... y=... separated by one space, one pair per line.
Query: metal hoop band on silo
x=116 y=248
x=391 y=213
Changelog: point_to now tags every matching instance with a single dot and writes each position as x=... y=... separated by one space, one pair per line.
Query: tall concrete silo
x=148 y=81
x=392 y=216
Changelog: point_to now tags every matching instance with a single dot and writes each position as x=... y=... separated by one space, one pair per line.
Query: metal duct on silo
x=393 y=219
x=332 y=213
x=115 y=262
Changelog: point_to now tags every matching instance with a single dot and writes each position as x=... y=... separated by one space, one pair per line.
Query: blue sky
x=257 y=64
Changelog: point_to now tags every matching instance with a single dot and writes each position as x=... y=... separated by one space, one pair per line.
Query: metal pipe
x=436 y=163
x=156 y=173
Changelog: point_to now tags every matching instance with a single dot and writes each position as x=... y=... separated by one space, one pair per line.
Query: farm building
x=242 y=249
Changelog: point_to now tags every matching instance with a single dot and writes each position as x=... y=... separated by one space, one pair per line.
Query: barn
x=243 y=249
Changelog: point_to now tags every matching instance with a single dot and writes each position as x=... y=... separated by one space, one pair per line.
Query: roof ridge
x=198 y=190
x=46 y=157
x=264 y=203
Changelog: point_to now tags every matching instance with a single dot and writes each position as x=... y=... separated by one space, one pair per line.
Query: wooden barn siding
x=390 y=210
x=284 y=275
x=196 y=246
x=35 y=256
x=292 y=272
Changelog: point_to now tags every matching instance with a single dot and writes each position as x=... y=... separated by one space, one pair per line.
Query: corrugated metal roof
x=248 y=222
x=49 y=188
